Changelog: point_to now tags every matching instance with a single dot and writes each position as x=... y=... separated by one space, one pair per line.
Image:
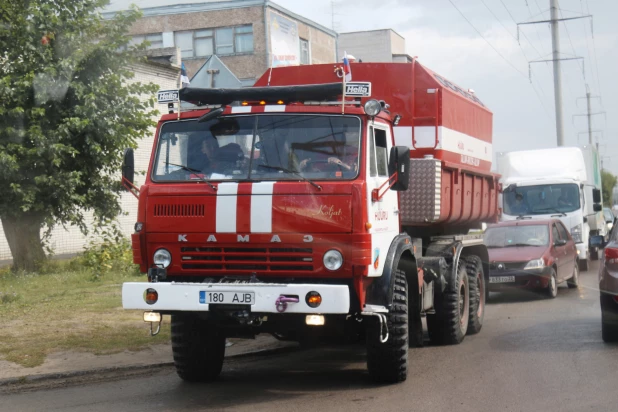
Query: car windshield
x=259 y=147
x=541 y=199
x=513 y=236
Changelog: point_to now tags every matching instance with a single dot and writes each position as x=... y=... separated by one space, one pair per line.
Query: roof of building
x=163 y=7
x=369 y=31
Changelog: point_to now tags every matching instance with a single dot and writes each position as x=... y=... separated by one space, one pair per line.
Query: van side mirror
x=596 y=196
x=560 y=242
x=128 y=165
x=597 y=207
x=399 y=161
x=597 y=241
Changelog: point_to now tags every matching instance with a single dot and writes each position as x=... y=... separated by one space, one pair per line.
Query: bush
x=113 y=253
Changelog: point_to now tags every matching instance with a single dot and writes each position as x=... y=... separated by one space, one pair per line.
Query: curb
x=28 y=379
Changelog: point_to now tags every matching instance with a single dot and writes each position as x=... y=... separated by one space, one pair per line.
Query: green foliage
x=608 y=182
x=112 y=253
x=67 y=109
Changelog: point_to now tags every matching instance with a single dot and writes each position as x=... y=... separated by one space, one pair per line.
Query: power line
x=513 y=36
x=581 y=65
x=594 y=48
x=498 y=52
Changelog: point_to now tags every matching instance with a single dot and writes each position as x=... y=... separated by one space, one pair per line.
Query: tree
x=608 y=182
x=66 y=113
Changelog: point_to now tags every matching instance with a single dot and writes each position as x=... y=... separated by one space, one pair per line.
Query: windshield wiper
x=519 y=245
x=552 y=209
x=188 y=169
x=283 y=169
x=522 y=217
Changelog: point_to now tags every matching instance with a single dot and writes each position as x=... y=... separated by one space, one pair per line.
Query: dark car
x=531 y=254
x=608 y=286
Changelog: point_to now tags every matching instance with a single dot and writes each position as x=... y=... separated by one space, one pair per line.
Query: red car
x=531 y=254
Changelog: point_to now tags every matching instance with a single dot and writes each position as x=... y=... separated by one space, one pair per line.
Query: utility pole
x=555 y=41
x=589 y=115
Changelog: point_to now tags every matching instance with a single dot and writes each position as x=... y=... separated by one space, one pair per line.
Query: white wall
x=71 y=240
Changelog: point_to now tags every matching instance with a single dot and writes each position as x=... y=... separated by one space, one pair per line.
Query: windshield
x=541 y=199
x=259 y=147
x=505 y=236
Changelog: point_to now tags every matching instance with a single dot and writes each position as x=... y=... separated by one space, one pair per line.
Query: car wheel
x=594 y=254
x=573 y=282
x=552 y=287
x=583 y=265
x=609 y=330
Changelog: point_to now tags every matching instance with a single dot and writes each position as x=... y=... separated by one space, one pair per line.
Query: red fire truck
x=316 y=210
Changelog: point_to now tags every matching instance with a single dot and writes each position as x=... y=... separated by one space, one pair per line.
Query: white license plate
x=232 y=298
x=501 y=279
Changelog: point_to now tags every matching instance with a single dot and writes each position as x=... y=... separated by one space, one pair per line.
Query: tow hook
x=383 y=324
x=282 y=302
x=153 y=318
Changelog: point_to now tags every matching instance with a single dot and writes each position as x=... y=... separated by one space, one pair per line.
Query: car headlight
x=535 y=264
x=162 y=258
x=576 y=233
x=333 y=259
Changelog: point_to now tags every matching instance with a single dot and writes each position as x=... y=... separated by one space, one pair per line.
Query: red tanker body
x=292 y=210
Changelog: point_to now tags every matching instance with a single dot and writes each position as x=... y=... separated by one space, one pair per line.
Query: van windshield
x=541 y=199
x=259 y=147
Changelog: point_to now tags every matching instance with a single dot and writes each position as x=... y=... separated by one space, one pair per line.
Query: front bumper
x=525 y=279
x=182 y=297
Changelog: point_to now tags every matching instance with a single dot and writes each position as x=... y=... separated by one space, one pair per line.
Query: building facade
x=162 y=68
x=375 y=46
x=248 y=36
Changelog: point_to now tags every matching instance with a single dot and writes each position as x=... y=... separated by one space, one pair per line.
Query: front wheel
x=573 y=282
x=552 y=287
x=583 y=265
x=198 y=348
x=388 y=362
x=594 y=254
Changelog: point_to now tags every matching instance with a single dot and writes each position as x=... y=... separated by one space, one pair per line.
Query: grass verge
x=67 y=308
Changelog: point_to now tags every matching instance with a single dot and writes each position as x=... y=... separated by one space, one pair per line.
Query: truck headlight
x=535 y=264
x=162 y=258
x=576 y=233
x=333 y=259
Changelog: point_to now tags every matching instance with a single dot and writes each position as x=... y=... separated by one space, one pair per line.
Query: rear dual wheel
x=476 y=283
x=449 y=325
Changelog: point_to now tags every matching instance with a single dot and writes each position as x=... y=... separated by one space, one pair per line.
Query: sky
x=483 y=54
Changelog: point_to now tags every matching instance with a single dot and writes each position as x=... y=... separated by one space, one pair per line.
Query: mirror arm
x=134 y=190
x=375 y=193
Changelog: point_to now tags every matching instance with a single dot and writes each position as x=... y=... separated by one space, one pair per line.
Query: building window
x=156 y=40
x=305 y=58
x=222 y=41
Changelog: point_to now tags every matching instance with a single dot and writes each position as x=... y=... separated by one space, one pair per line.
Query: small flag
x=347 y=70
x=184 y=79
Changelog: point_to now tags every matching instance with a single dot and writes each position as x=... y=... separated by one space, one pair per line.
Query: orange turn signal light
x=151 y=296
x=245 y=103
x=368 y=225
x=262 y=102
x=279 y=101
x=313 y=299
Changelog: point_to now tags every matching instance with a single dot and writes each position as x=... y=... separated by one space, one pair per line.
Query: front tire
x=448 y=326
x=198 y=348
x=388 y=362
x=476 y=281
x=609 y=330
x=583 y=265
x=552 y=287
x=573 y=282
x=594 y=254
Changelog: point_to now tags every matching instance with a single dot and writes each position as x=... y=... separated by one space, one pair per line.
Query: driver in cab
x=346 y=157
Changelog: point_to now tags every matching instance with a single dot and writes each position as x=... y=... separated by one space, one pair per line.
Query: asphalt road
x=533 y=354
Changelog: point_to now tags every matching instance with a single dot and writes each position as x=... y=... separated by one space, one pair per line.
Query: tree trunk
x=24 y=237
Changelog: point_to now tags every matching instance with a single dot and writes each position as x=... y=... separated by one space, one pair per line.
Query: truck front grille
x=237 y=259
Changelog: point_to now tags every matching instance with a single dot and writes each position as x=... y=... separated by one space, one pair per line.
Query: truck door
x=559 y=253
x=383 y=214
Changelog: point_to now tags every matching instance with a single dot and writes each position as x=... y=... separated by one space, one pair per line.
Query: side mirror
x=597 y=207
x=128 y=165
x=560 y=242
x=597 y=241
x=596 y=196
x=399 y=161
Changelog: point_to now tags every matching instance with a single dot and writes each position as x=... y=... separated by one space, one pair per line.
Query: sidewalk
x=70 y=363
